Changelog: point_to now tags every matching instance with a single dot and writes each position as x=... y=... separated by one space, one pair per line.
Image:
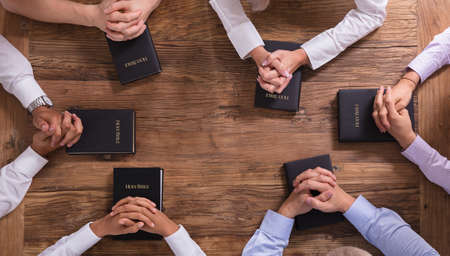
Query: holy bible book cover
x=139 y=182
x=289 y=99
x=355 y=116
x=136 y=58
x=313 y=218
x=105 y=132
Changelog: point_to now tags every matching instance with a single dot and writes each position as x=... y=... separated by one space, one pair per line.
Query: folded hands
x=123 y=20
x=275 y=69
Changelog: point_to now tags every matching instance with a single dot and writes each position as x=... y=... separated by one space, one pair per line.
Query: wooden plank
x=434 y=99
x=12 y=142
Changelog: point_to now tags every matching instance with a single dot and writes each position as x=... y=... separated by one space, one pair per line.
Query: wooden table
x=223 y=157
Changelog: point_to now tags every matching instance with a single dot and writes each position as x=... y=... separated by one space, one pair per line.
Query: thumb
x=42 y=125
x=280 y=67
x=390 y=104
x=133 y=229
x=400 y=105
x=404 y=113
x=316 y=203
x=268 y=60
x=42 y=136
x=325 y=196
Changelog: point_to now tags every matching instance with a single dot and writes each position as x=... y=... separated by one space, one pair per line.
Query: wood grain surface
x=223 y=157
x=434 y=106
x=12 y=133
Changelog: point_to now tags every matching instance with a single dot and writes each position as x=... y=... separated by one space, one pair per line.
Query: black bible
x=289 y=99
x=139 y=182
x=136 y=58
x=105 y=132
x=355 y=116
x=313 y=218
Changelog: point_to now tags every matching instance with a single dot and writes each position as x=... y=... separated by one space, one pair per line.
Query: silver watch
x=42 y=101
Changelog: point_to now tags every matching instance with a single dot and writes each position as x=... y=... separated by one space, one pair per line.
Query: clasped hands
x=275 y=69
x=389 y=109
x=331 y=198
x=132 y=214
x=55 y=130
x=123 y=20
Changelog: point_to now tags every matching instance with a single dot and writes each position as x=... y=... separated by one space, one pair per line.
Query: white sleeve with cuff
x=73 y=245
x=182 y=244
x=16 y=74
x=240 y=30
x=359 y=22
x=16 y=178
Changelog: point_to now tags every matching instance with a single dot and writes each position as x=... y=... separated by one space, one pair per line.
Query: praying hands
x=275 y=69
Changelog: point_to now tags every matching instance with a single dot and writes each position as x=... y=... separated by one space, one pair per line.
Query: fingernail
x=286 y=74
x=52 y=129
x=264 y=63
x=153 y=225
x=121 y=222
x=61 y=144
x=112 y=214
x=140 y=224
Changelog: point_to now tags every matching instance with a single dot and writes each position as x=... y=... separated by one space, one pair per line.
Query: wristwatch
x=42 y=101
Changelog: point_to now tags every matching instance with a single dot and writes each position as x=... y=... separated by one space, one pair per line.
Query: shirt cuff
x=320 y=50
x=418 y=152
x=29 y=163
x=27 y=90
x=277 y=225
x=361 y=213
x=421 y=66
x=83 y=239
x=180 y=242
x=245 y=38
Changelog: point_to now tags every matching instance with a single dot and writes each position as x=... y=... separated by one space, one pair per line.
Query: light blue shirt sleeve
x=272 y=236
x=386 y=230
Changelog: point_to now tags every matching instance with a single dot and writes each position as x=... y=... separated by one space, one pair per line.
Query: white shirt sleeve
x=16 y=177
x=182 y=244
x=359 y=22
x=16 y=74
x=240 y=30
x=73 y=245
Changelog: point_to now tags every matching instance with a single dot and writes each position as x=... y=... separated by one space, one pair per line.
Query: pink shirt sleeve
x=433 y=165
x=433 y=57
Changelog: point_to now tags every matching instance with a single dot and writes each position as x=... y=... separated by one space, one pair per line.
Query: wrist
x=406 y=140
x=39 y=109
x=42 y=152
x=347 y=202
x=413 y=78
x=259 y=54
x=89 y=14
x=286 y=211
x=301 y=58
x=98 y=227
x=169 y=229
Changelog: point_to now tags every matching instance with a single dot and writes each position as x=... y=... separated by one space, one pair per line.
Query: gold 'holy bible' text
x=117 y=130
x=136 y=61
x=277 y=96
x=137 y=186
x=356 y=115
